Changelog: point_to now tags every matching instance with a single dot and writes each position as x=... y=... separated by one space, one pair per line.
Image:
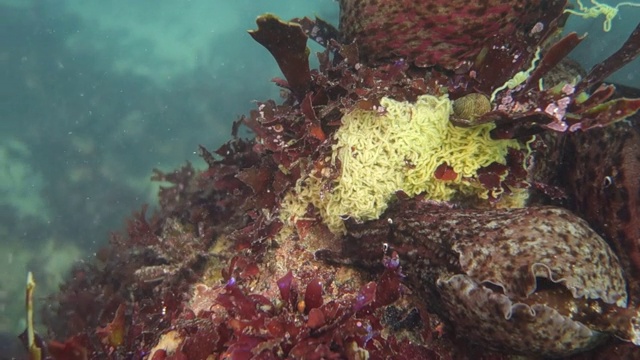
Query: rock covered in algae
x=430 y=32
x=536 y=280
x=238 y=201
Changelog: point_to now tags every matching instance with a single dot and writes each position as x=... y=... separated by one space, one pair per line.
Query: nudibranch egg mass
x=398 y=147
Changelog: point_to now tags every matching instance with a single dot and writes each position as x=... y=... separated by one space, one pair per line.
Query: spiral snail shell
x=471 y=106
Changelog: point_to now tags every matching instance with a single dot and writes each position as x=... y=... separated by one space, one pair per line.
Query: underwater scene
x=326 y=179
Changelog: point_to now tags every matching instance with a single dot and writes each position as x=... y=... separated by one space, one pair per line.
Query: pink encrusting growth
x=444 y=33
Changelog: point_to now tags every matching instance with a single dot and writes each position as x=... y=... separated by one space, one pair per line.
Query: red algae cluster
x=218 y=273
x=300 y=323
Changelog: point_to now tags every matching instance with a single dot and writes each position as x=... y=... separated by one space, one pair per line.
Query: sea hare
x=606 y=189
x=536 y=280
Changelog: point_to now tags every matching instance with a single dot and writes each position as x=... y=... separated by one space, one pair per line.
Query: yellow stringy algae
x=380 y=153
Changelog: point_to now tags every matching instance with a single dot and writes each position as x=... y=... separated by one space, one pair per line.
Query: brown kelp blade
x=287 y=42
x=607 y=113
x=629 y=51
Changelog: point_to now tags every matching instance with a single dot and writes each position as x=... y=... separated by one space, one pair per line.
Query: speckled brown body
x=601 y=172
x=533 y=280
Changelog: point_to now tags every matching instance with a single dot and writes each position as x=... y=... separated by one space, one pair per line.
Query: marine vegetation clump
x=301 y=322
x=206 y=218
x=379 y=211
